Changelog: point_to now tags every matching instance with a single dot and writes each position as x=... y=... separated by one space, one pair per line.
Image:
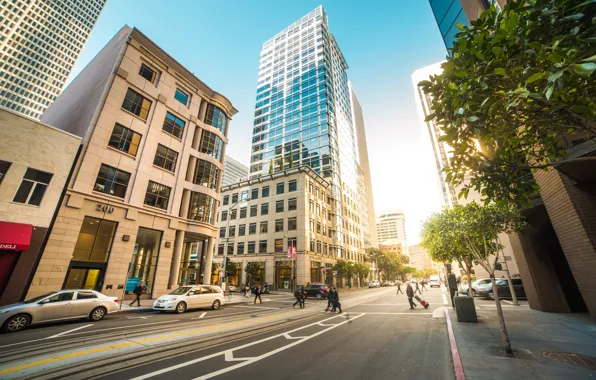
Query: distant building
x=419 y=258
x=391 y=228
x=234 y=171
x=395 y=247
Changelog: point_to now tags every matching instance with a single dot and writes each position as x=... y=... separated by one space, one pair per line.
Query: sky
x=383 y=41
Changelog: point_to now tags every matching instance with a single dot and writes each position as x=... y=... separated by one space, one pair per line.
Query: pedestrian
x=330 y=296
x=258 y=294
x=336 y=304
x=424 y=286
x=399 y=288
x=138 y=291
x=452 y=282
x=410 y=294
x=298 y=295
x=417 y=288
x=246 y=290
x=303 y=298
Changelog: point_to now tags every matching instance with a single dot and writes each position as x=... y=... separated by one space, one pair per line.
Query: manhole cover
x=571 y=358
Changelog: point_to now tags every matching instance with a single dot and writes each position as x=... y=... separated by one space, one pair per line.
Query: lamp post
x=225 y=258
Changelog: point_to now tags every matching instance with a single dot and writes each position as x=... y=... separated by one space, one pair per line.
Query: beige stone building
x=419 y=258
x=260 y=218
x=145 y=188
x=35 y=161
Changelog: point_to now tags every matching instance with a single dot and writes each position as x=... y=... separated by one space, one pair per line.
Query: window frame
x=292 y=185
x=277 y=206
x=7 y=165
x=35 y=184
x=174 y=125
x=183 y=92
x=165 y=158
x=281 y=185
x=133 y=102
x=112 y=181
x=263 y=190
x=264 y=209
x=158 y=195
x=154 y=72
x=293 y=201
x=126 y=132
x=292 y=221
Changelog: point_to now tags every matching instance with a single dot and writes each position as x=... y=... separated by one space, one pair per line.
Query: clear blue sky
x=383 y=42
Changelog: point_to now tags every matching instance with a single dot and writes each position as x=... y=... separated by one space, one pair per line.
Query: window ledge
x=159 y=209
x=121 y=152
x=164 y=169
x=26 y=204
x=108 y=195
x=171 y=135
x=130 y=113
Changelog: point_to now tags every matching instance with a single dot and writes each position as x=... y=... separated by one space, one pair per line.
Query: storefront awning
x=15 y=236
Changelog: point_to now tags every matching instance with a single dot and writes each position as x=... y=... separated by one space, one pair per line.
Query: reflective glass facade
x=448 y=14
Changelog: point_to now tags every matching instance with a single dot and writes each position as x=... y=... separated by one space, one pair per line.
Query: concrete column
x=192 y=165
x=202 y=110
x=208 y=261
x=175 y=267
x=243 y=272
x=270 y=271
x=185 y=203
x=196 y=140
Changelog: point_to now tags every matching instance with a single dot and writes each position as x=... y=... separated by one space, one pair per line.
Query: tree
x=341 y=267
x=252 y=270
x=362 y=271
x=291 y=161
x=405 y=270
x=376 y=254
x=231 y=267
x=517 y=83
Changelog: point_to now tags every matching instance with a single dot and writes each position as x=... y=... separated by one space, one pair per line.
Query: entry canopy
x=15 y=236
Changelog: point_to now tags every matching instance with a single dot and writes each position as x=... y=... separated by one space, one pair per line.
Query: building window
x=253 y=210
x=33 y=187
x=94 y=241
x=265 y=209
x=216 y=117
x=312 y=245
x=224 y=215
x=125 y=140
x=201 y=207
x=291 y=224
x=252 y=228
x=234 y=198
x=226 y=200
x=233 y=214
x=4 y=166
x=173 y=125
x=292 y=204
x=325 y=251
x=310 y=187
x=263 y=228
x=293 y=185
x=265 y=191
x=206 y=174
x=230 y=249
x=136 y=104
x=318 y=246
x=165 y=158
x=292 y=242
x=279 y=225
x=222 y=232
x=242 y=230
x=220 y=249
x=311 y=206
x=263 y=246
x=317 y=191
x=251 y=247
x=279 y=245
x=318 y=227
x=254 y=194
x=211 y=145
x=111 y=181
x=324 y=230
x=244 y=195
x=157 y=195
x=147 y=73
x=240 y=250
x=312 y=225
x=318 y=209
x=243 y=213
x=181 y=96
x=279 y=206
x=232 y=232
x=281 y=187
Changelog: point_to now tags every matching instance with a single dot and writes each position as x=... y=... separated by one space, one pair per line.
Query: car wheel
x=181 y=307
x=319 y=296
x=97 y=314
x=16 y=323
x=216 y=305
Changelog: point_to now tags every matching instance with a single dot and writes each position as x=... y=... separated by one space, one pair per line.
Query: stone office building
x=145 y=187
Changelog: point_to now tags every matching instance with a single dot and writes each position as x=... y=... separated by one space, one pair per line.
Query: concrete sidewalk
x=533 y=334
x=147 y=305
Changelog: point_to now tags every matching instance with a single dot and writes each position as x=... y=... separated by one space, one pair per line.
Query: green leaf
x=534 y=77
x=584 y=68
x=553 y=77
x=591 y=59
x=584 y=110
x=430 y=117
x=473 y=119
x=501 y=71
x=574 y=17
x=460 y=111
x=555 y=58
x=460 y=26
x=497 y=50
x=574 y=31
x=549 y=91
x=590 y=39
x=461 y=73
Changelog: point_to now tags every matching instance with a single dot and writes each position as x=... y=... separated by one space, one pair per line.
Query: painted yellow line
x=137 y=342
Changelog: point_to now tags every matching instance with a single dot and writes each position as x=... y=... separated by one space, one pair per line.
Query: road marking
x=261 y=307
x=457 y=366
x=150 y=316
x=200 y=316
x=412 y=313
x=384 y=304
x=445 y=302
x=69 y=331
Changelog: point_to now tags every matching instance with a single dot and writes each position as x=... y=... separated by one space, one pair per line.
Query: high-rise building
x=40 y=42
x=143 y=198
x=304 y=116
x=234 y=171
x=391 y=228
x=419 y=258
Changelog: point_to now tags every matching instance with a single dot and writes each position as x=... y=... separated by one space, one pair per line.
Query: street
x=377 y=336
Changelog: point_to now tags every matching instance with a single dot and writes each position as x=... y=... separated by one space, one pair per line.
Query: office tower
x=419 y=258
x=40 y=42
x=144 y=192
x=391 y=229
x=234 y=171
x=303 y=116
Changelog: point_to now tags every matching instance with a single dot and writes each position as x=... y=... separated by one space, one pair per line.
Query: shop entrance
x=283 y=275
x=144 y=260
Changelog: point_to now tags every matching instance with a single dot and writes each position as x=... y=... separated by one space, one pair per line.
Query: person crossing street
x=417 y=288
x=258 y=294
x=410 y=294
x=424 y=286
x=399 y=288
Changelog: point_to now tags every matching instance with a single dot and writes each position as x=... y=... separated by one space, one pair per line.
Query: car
x=374 y=284
x=190 y=297
x=390 y=283
x=505 y=292
x=385 y=283
x=435 y=280
x=318 y=291
x=57 y=306
x=480 y=287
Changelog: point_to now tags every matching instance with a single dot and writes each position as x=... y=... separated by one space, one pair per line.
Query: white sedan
x=190 y=297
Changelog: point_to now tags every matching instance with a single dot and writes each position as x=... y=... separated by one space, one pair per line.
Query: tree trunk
x=504 y=335
x=469 y=269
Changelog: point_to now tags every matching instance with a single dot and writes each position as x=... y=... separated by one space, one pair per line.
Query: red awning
x=15 y=236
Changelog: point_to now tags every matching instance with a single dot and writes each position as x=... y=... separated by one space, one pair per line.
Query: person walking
x=336 y=304
x=298 y=294
x=302 y=298
x=424 y=286
x=258 y=294
x=329 y=298
x=410 y=294
x=452 y=283
x=399 y=288
x=138 y=291
x=417 y=288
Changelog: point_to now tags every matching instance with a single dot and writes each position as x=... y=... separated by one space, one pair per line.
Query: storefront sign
x=104 y=208
x=11 y=247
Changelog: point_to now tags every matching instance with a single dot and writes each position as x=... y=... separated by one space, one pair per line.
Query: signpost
x=292 y=256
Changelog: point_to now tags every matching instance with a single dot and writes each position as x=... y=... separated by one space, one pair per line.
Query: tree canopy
x=518 y=83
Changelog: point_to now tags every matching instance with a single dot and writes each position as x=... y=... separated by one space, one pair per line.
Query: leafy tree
x=252 y=270
x=405 y=270
x=427 y=272
x=341 y=267
x=271 y=166
x=519 y=81
x=376 y=254
x=231 y=268
x=362 y=271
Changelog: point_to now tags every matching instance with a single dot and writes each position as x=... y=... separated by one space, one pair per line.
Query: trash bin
x=465 y=309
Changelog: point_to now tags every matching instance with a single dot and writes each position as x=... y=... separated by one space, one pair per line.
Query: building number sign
x=104 y=208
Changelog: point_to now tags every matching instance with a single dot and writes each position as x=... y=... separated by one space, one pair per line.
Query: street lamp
x=225 y=258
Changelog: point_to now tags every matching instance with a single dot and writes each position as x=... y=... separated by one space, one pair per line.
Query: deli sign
x=8 y=247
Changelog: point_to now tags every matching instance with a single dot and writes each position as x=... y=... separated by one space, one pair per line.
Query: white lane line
x=150 y=316
x=261 y=307
x=413 y=313
x=384 y=304
x=69 y=331
x=229 y=353
x=200 y=316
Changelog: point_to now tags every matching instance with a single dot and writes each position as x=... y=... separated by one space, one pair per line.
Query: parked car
x=480 y=287
x=57 y=306
x=505 y=292
x=385 y=283
x=390 y=283
x=435 y=280
x=319 y=291
x=374 y=284
x=190 y=297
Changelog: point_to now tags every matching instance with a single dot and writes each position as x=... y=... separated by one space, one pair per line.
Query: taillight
x=116 y=300
x=325 y=289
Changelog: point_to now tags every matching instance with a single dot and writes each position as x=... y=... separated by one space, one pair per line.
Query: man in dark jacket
x=336 y=304
x=329 y=298
x=138 y=291
x=258 y=294
x=410 y=294
x=298 y=294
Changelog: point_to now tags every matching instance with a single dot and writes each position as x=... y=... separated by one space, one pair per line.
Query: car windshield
x=501 y=282
x=38 y=298
x=180 y=291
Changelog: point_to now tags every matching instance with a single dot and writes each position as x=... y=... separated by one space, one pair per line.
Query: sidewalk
x=532 y=334
x=147 y=305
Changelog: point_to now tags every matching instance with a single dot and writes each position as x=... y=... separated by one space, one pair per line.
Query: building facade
x=419 y=258
x=40 y=42
x=234 y=172
x=33 y=173
x=395 y=248
x=145 y=189
x=261 y=218
x=304 y=117
x=391 y=228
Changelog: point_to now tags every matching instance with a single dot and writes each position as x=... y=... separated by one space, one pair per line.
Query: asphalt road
x=377 y=337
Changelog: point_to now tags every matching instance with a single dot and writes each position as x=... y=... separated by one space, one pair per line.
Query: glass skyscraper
x=303 y=116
